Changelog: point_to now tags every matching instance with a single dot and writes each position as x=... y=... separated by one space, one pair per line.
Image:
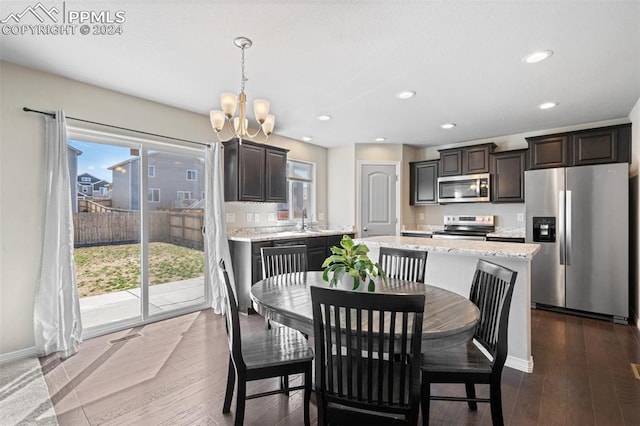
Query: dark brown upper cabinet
x=423 y=182
x=450 y=162
x=466 y=160
x=254 y=172
x=507 y=176
x=602 y=145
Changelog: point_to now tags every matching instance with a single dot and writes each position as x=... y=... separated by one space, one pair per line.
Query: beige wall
x=22 y=172
x=341 y=186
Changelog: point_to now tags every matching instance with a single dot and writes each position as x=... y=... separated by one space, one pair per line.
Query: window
x=85 y=179
x=184 y=195
x=104 y=190
x=152 y=171
x=153 y=195
x=301 y=190
x=86 y=189
x=192 y=175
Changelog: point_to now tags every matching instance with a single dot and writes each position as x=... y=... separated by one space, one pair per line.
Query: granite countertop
x=508 y=233
x=251 y=236
x=464 y=247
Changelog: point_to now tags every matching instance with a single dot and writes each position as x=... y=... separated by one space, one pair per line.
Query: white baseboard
x=22 y=353
x=520 y=364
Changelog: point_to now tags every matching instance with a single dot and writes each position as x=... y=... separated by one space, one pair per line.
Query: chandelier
x=224 y=122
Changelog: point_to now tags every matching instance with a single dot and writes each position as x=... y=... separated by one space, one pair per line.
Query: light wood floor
x=174 y=373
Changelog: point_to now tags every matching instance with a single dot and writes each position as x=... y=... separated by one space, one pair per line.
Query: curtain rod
x=53 y=115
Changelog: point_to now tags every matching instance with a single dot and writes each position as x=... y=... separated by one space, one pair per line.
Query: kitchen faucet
x=304 y=215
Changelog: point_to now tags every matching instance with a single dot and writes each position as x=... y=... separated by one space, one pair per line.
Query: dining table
x=449 y=318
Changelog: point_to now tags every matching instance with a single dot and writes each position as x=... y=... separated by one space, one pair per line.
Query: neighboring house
x=72 y=160
x=174 y=181
x=92 y=186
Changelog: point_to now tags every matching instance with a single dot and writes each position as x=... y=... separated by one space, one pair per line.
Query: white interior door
x=378 y=204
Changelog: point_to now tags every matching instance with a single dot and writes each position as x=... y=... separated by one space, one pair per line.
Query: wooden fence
x=121 y=227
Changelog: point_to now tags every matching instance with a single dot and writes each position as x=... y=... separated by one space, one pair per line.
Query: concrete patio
x=119 y=305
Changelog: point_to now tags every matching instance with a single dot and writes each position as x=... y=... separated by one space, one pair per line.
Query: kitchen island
x=451 y=265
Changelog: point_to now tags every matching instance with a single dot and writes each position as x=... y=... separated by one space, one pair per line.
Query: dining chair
x=277 y=352
x=491 y=291
x=358 y=379
x=283 y=260
x=404 y=264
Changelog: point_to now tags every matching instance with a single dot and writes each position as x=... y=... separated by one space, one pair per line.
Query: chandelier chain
x=244 y=78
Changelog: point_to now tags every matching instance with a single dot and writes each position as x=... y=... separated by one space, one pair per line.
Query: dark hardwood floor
x=174 y=373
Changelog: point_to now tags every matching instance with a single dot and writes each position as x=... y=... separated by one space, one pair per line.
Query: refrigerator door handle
x=568 y=231
x=561 y=214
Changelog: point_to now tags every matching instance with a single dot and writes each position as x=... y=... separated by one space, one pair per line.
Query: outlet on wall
x=271 y=217
x=249 y=217
x=256 y=217
x=421 y=216
x=230 y=217
x=520 y=217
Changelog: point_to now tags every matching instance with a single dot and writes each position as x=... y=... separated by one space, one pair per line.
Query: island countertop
x=464 y=247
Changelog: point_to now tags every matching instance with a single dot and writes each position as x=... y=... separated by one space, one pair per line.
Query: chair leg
x=425 y=400
x=307 y=395
x=471 y=393
x=496 y=404
x=231 y=382
x=284 y=384
x=240 y=400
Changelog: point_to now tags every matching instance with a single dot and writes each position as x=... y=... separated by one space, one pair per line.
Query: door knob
x=365 y=229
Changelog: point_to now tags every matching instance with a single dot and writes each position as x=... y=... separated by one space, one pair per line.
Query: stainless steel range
x=466 y=228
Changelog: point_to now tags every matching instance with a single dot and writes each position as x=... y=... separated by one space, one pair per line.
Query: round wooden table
x=449 y=319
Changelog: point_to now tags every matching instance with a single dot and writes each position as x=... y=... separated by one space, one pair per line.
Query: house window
x=301 y=190
x=184 y=195
x=192 y=175
x=85 y=179
x=104 y=190
x=152 y=171
x=153 y=195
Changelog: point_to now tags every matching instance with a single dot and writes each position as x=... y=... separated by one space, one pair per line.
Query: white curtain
x=215 y=228
x=57 y=323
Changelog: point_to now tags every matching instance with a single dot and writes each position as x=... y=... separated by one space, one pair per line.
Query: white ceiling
x=348 y=59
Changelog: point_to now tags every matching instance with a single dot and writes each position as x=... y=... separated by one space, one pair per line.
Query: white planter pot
x=346 y=283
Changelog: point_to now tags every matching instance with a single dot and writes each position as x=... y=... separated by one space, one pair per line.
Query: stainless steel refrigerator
x=580 y=218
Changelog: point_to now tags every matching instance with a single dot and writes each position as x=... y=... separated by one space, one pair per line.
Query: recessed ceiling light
x=307 y=138
x=406 y=94
x=548 y=105
x=448 y=125
x=380 y=139
x=534 y=57
x=324 y=117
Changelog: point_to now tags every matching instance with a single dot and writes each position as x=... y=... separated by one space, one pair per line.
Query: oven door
x=464 y=189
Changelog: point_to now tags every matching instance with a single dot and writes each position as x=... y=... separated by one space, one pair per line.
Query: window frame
x=311 y=210
x=195 y=174
x=150 y=190
x=151 y=173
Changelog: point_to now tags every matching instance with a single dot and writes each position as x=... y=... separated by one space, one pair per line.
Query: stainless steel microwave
x=464 y=189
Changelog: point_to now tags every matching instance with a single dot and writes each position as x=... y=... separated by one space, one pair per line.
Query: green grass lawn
x=105 y=269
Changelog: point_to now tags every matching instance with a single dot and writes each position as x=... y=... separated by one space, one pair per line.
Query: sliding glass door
x=138 y=216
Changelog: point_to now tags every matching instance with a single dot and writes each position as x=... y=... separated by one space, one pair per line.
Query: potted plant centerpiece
x=351 y=260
